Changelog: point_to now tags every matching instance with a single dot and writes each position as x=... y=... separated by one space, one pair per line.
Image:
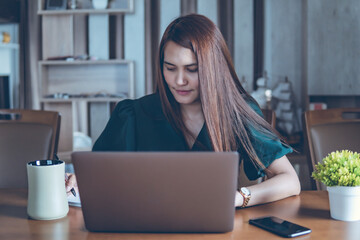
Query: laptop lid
x=157 y=191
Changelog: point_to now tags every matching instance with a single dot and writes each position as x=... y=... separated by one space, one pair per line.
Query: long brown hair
x=229 y=119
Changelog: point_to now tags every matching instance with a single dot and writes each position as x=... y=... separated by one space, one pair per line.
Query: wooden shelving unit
x=9 y=45
x=87 y=88
x=84 y=11
x=85 y=7
x=112 y=77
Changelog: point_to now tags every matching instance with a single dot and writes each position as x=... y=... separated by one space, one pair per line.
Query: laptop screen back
x=157 y=191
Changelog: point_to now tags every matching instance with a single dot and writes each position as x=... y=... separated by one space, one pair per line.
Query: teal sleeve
x=267 y=148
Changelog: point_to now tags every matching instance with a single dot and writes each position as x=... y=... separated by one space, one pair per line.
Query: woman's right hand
x=70 y=183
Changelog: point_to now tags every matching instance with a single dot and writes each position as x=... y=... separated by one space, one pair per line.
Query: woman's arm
x=282 y=181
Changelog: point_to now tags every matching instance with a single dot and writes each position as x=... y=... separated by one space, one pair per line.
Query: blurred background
x=80 y=57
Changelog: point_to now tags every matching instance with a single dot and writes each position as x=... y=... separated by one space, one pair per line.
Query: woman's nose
x=180 y=79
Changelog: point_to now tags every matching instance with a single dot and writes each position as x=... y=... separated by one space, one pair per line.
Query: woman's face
x=181 y=73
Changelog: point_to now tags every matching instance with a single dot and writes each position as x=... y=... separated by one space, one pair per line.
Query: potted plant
x=340 y=172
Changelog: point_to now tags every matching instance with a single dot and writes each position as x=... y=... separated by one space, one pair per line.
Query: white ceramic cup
x=47 y=198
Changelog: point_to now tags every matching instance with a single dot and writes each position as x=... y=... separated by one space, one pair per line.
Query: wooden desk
x=310 y=209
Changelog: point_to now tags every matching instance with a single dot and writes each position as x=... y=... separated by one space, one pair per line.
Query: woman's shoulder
x=149 y=105
x=150 y=100
x=253 y=104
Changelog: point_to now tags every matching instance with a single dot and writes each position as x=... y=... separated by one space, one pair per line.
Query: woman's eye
x=170 y=69
x=192 y=70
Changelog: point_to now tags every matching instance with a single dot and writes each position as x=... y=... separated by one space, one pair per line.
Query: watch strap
x=246 y=199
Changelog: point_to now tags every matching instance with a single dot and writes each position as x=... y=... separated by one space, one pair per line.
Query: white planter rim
x=345 y=190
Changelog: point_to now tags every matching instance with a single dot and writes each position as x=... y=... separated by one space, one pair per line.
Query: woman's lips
x=183 y=92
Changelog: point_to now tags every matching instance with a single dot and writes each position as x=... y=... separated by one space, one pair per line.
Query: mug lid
x=45 y=162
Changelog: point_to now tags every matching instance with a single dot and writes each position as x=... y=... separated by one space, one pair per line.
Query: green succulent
x=340 y=168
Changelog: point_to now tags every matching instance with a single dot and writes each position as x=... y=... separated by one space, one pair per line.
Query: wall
x=283 y=46
x=244 y=42
x=315 y=44
x=134 y=44
x=333 y=47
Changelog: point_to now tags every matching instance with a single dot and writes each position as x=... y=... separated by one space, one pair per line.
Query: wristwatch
x=245 y=192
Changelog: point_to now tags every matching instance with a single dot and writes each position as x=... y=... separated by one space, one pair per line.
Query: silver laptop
x=157 y=191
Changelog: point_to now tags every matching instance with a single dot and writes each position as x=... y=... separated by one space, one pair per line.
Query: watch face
x=245 y=191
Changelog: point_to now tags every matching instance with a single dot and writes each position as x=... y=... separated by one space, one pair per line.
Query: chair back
x=25 y=135
x=330 y=130
x=269 y=116
x=243 y=181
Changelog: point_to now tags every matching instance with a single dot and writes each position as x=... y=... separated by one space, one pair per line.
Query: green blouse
x=140 y=125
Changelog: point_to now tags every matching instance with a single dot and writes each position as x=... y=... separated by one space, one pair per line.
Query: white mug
x=47 y=198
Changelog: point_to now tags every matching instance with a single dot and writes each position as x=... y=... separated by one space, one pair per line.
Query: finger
x=66 y=177
x=71 y=183
x=72 y=180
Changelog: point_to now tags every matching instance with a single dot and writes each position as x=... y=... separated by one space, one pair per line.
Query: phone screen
x=279 y=226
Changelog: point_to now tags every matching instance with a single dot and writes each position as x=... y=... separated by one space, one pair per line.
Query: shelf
x=120 y=7
x=114 y=77
x=85 y=62
x=90 y=99
x=85 y=11
x=9 y=45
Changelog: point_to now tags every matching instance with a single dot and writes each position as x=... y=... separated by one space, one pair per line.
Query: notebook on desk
x=157 y=191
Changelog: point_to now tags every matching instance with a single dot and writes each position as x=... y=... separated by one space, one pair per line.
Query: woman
x=200 y=105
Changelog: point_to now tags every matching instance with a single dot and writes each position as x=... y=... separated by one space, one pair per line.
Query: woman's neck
x=192 y=112
x=193 y=118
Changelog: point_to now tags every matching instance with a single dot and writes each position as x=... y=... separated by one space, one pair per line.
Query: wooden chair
x=243 y=181
x=25 y=135
x=269 y=116
x=330 y=130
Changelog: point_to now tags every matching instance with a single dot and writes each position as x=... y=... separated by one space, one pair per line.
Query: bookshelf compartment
x=86 y=7
x=84 y=78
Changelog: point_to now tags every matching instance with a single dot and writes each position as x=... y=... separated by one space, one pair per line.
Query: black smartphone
x=279 y=226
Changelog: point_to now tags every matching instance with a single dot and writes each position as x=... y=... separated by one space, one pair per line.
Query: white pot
x=344 y=203
x=99 y=4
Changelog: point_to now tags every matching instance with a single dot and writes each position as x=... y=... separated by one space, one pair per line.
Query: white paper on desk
x=74 y=201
